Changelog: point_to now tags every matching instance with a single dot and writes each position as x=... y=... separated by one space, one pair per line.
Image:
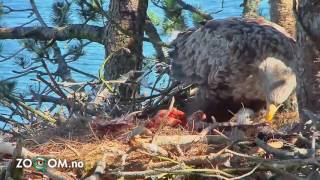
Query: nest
x=221 y=151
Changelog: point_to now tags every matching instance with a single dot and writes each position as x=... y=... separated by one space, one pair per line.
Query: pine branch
x=194 y=10
x=77 y=31
x=62 y=65
x=16 y=101
x=10 y=10
x=155 y=39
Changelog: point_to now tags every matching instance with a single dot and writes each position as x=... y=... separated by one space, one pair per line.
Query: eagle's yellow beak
x=271 y=111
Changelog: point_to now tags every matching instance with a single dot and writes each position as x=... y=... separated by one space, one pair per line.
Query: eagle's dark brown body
x=235 y=62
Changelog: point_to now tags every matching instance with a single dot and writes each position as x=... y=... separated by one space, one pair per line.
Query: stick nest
x=224 y=151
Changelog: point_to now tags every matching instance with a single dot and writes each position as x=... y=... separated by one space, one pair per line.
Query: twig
x=9 y=148
x=29 y=22
x=187 y=139
x=220 y=133
x=10 y=10
x=16 y=173
x=93 y=133
x=152 y=149
x=137 y=174
x=21 y=75
x=52 y=87
x=155 y=39
x=238 y=154
x=82 y=72
x=57 y=52
x=201 y=172
x=30 y=109
x=247 y=174
x=11 y=121
x=212 y=158
x=55 y=84
x=101 y=165
x=236 y=124
x=137 y=131
x=13 y=55
x=73 y=149
x=282 y=153
x=194 y=10
x=179 y=150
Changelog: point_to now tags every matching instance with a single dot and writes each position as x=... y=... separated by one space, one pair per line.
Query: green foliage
x=75 y=50
x=154 y=18
x=23 y=61
x=197 y=19
x=174 y=17
x=61 y=13
x=89 y=10
x=171 y=9
x=37 y=47
x=97 y=3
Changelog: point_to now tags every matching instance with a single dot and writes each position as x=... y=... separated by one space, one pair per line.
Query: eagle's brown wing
x=223 y=58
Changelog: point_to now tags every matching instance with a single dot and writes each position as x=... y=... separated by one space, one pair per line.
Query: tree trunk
x=282 y=14
x=308 y=40
x=123 y=42
x=251 y=8
x=130 y=16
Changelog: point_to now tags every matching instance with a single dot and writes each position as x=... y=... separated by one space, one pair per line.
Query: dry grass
x=90 y=151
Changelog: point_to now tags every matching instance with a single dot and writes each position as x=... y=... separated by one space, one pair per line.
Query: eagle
x=234 y=63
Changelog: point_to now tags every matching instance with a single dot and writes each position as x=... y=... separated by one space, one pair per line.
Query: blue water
x=94 y=53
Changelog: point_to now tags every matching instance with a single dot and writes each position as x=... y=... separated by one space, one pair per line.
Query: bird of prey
x=236 y=62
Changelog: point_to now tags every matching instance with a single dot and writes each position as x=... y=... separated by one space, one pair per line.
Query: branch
x=83 y=73
x=13 y=55
x=283 y=153
x=53 y=81
x=10 y=121
x=46 y=98
x=194 y=10
x=36 y=12
x=21 y=75
x=77 y=31
x=101 y=166
x=9 y=148
x=51 y=86
x=10 y=10
x=44 y=116
x=62 y=65
x=155 y=39
x=187 y=139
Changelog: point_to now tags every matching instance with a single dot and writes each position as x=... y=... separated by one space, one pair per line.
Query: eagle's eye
x=277 y=84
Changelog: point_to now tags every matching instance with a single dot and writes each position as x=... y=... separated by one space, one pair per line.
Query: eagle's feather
x=236 y=60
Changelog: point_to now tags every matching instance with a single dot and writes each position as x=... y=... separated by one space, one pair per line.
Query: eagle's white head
x=278 y=82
